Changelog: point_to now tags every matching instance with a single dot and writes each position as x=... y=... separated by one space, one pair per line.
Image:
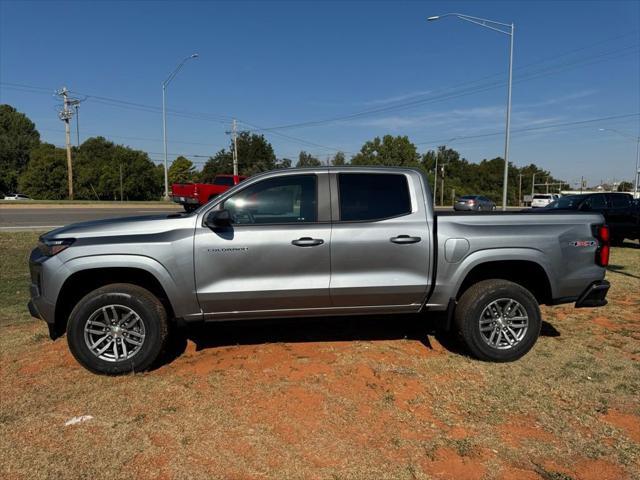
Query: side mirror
x=218 y=219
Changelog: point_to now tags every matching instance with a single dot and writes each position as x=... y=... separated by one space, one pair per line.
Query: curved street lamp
x=509 y=30
x=164 y=120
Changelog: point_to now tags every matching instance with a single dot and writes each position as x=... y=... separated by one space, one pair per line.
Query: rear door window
x=620 y=201
x=373 y=196
x=597 y=202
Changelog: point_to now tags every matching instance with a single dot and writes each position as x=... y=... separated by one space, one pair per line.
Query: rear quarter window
x=372 y=196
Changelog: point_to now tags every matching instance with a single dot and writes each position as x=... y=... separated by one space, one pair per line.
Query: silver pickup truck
x=313 y=242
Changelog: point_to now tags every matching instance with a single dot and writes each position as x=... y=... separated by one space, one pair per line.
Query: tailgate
x=182 y=189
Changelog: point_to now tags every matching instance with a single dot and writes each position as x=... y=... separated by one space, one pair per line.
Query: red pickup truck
x=192 y=195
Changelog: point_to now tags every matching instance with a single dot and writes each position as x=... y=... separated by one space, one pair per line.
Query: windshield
x=570 y=202
x=541 y=197
x=468 y=197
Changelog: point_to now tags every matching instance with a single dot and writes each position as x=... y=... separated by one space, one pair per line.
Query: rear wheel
x=498 y=320
x=189 y=207
x=118 y=328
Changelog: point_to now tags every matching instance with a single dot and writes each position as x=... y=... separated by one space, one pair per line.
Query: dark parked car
x=620 y=211
x=473 y=202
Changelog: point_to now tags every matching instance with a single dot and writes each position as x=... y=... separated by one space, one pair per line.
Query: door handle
x=307 y=242
x=404 y=239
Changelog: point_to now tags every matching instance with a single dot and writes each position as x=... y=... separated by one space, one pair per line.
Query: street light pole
x=164 y=120
x=637 y=171
x=498 y=27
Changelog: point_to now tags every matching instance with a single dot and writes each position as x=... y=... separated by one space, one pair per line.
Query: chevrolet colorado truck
x=193 y=195
x=313 y=242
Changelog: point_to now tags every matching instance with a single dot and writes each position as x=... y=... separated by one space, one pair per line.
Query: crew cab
x=314 y=242
x=192 y=195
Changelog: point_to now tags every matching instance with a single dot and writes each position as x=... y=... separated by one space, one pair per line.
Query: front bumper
x=594 y=295
x=39 y=306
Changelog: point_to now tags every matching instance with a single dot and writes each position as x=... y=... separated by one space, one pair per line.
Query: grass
x=352 y=398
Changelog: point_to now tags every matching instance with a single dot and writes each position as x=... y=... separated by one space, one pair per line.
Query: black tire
x=150 y=314
x=471 y=309
x=189 y=207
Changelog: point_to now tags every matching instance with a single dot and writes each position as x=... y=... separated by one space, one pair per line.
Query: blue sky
x=271 y=64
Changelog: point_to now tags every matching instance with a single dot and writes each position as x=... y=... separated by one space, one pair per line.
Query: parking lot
x=360 y=397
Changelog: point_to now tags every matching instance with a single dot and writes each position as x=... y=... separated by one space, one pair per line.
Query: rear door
x=380 y=240
x=275 y=255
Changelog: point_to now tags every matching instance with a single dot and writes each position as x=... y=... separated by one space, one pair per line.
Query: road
x=38 y=217
x=48 y=217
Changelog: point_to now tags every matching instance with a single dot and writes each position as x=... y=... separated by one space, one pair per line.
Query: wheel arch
x=89 y=273
x=530 y=274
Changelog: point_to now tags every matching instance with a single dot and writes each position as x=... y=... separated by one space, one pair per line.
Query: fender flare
x=520 y=254
x=147 y=264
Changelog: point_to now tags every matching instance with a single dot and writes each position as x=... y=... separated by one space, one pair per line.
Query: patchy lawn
x=351 y=398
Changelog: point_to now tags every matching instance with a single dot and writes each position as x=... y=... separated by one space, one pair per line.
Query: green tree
x=307 y=160
x=181 y=171
x=100 y=165
x=45 y=177
x=18 y=135
x=284 y=163
x=625 y=187
x=220 y=163
x=389 y=151
x=338 y=159
x=255 y=154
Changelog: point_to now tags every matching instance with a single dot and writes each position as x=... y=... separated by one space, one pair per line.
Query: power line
x=528 y=129
x=407 y=103
x=429 y=98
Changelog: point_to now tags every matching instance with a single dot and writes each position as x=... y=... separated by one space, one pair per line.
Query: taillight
x=602 y=252
x=195 y=191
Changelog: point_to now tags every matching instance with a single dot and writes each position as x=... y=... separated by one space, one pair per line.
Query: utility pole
x=121 y=182
x=435 y=178
x=520 y=190
x=75 y=106
x=533 y=185
x=581 y=183
x=65 y=115
x=235 y=148
x=442 y=187
x=234 y=138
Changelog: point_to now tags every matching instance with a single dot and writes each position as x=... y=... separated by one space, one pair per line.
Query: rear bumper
x=185 y=200
x=594 y=295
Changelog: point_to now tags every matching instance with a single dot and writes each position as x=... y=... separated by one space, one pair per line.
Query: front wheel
x=498 y=320
x=118 y=328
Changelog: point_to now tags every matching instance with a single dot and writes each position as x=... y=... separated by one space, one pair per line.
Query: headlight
x=49 y=248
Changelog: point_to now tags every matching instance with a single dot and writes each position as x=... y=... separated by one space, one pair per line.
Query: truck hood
x=125 y=226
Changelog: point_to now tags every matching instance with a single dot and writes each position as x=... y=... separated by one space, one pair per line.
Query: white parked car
x=542 y=200
x=16 y=196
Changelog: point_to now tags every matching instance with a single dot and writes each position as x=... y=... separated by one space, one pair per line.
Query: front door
x=275 y=255
x=380 y=241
